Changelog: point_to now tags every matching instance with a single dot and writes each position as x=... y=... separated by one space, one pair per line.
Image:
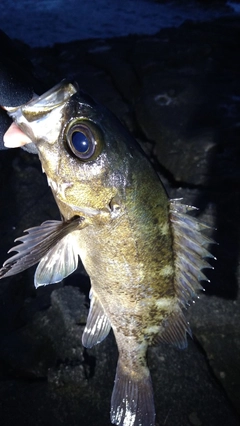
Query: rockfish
x=143 y=253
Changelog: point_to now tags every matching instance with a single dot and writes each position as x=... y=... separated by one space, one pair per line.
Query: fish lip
x=53 y=98
x=39 y=107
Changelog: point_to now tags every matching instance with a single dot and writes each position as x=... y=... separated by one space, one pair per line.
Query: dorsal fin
x=174 y=331
x=189 y=246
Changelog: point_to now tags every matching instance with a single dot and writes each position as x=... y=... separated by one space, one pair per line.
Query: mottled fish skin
x=143 y=253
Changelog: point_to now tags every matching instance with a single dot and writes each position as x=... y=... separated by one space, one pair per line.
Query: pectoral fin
x=59 y=262
x=47 y=241
x=98 y=325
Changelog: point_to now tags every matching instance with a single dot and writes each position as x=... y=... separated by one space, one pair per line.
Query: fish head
x=84 y=150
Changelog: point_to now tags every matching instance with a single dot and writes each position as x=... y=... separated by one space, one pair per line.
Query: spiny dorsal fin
x=98 y=325
x=37 y=243
x=189 y=245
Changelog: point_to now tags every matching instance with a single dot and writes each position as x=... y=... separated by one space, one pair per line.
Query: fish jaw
x=34 y=112
x=40 y=105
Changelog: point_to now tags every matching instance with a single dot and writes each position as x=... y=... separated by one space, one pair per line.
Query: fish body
x=143 y=253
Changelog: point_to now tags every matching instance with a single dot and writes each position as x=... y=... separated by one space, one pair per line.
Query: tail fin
x=132 y=400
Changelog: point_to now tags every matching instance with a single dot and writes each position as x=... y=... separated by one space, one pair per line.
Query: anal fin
x=98 y=325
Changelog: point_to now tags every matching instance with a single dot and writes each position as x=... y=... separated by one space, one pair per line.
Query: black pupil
x=80 y=142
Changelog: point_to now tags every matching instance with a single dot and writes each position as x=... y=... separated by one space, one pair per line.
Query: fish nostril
x=114 y=205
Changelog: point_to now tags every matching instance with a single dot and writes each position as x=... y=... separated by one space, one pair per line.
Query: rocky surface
x=179 y=94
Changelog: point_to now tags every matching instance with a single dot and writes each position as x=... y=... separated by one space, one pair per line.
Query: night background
x=170 y=71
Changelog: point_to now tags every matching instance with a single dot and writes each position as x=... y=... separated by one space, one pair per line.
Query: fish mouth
x=48 y=101
x=39 y=107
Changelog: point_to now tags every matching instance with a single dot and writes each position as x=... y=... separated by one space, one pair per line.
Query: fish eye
x=83 y=140
x=83 y=147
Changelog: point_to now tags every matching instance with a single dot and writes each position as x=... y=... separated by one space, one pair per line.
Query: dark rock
x=53 y=336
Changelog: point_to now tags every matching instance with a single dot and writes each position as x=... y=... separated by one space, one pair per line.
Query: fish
x=144 y=253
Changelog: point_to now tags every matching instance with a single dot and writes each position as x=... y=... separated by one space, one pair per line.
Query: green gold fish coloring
x=143 y=253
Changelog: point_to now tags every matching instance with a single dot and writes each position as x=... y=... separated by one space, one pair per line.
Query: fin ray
x=132 y=400
x=59 y=262
x=175 y=330
x=98 y=325
x=36 y=244
x=189 y=245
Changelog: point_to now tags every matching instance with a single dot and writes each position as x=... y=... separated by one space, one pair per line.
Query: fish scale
x=143 y=252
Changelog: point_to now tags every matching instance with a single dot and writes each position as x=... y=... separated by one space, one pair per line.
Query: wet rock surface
x=179 y=94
